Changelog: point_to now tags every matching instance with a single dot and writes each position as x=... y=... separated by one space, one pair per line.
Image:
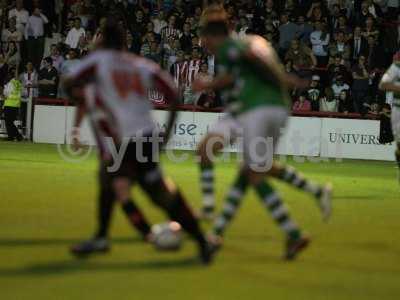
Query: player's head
x=213 y=35
x=112 y=36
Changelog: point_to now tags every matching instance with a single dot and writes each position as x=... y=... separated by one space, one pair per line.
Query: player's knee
x=255 y=178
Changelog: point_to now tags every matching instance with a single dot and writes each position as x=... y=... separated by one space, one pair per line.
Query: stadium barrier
x=309 y=136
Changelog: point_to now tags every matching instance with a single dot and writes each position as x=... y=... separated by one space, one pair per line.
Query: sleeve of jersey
x=392 y=74
x=166 y=86
x=85 y=70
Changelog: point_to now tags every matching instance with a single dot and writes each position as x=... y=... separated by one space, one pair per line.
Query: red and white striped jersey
x=185 y=72
x=116 y=93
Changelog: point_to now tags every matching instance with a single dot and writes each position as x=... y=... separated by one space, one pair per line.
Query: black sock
x=181 y=213
x=136 y=217
x=105 y=208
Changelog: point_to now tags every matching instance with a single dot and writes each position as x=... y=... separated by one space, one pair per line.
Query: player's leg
x=261 y=134
x=209 y=145
x=218 y=136
x=396 y=134
x=165 y=194
x=232 y=204
x=290 y=175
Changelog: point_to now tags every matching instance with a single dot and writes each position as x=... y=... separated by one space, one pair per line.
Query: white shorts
x=257 y=133
x=396 y=123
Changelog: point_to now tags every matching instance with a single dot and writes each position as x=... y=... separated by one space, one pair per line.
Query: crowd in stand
x=342 y=46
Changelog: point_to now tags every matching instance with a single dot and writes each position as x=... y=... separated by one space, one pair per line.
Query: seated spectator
x=171 y=31
x=302 y=104
x=301 y=56
x=159 y=22
x=372 y=109
x=337 y=68
x=339 y=85
x=344 y=27
x=154 y=52
x=314 y=92
x=320 y=40
x=328 y=103
x=75 y=34
x=345 y=102
x=13 y=56
x=360 y=85
x=48 y=79
x=340 y=47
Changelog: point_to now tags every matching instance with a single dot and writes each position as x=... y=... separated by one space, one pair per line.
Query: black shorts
x=139 y=162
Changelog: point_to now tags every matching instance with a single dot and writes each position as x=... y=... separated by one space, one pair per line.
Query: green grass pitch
x=47 y=204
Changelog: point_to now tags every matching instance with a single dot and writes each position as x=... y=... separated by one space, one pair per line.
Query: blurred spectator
x=159 y=22
x=345 y=102
x=48 y=79
x=11 y=35
x=370 y=29
x=69 y=62
x=186 y=38
x=75 y=34
x=34 y=34
x=314 y=92
x=204 y=99
x=320 y=40
x=339 y=85
x=56 y=57
x=358 y=44
x=305 y=29
x=287 y=32
x=20 y=14
x=340 y=47
x=29 y=79
x=302 y=104
x=360 y=84
x=375 y=54
x=328 y=103
x=301 y=56
x=13 y=56
x=170 y=31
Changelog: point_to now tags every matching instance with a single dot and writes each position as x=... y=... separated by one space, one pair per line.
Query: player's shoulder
x=141 y=62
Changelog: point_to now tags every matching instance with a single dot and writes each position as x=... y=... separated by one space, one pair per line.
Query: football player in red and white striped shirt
x=111 y=88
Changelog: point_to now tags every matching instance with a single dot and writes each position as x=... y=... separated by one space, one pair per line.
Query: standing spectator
x=20 y=14
x=320 y=40
x=339 y=85
x=375 y=54
x=370 y=29
x=170 y=31
x=75 y=34
x=360 y=84
x=358 y=45
x=328 y=103
x=305 y=29
x=314 y=92
x=13 y=56
x=159 y=22
x=154 y=52
x=48 y=79
x=340 y=47
x=11 y=35
x=345 y=102
x=287 y=32
x=66 y=66
x=29 y=80
x=204 y=99
x=12 y=93
x=302 y=104
x=34 y=34
x=56 y=56
x=186 y=38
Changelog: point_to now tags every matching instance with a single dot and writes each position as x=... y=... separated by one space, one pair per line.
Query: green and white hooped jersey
x=392 y=75
x=250 y=90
